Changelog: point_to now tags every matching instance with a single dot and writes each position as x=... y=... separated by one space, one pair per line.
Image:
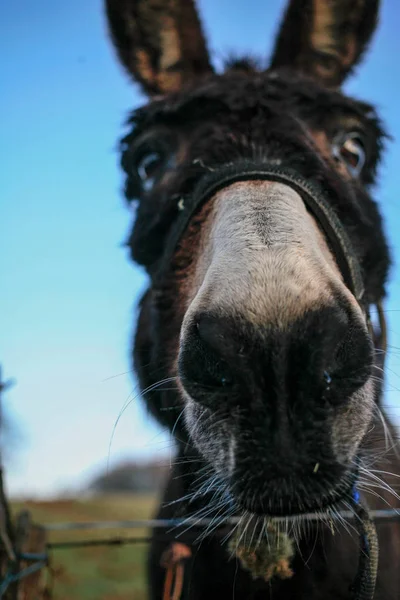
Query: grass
x=97 y=573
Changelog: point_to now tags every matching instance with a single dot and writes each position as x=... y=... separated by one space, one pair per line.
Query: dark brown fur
x=290 y=113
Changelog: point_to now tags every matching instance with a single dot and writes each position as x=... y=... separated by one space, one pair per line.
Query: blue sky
x=68 y=296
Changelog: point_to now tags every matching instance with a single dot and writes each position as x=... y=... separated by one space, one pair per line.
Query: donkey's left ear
x=325 y=38
x=159 y=42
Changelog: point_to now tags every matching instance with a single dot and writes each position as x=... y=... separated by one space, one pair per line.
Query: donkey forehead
x=282 y=91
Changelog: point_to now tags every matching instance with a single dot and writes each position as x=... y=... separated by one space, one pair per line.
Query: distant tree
x=131 y=477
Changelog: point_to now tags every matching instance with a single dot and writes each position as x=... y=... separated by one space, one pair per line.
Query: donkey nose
x=326 y=355
x=207 y=350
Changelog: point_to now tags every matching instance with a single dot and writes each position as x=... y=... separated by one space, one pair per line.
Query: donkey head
x=263 y=245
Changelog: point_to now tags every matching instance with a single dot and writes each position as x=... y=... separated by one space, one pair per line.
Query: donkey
x=265 y=253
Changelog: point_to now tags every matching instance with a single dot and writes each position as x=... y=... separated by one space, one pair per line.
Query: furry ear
x=325 y=38
x=159 y=42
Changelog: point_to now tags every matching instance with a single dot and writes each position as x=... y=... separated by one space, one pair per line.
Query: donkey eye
x=349 y=149
x=149 y=167
x=145 y=160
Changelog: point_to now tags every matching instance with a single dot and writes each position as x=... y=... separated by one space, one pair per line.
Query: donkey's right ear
x=159 y=42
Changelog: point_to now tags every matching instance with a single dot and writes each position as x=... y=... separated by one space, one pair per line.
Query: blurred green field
x=100 y=573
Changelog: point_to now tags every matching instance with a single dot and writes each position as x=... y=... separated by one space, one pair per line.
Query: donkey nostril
x=210 y=330
x=201 y=359
x=350 y=366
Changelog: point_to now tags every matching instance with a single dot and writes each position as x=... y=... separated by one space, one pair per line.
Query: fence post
x=30 y=539
x=7 y=536
x=25 y=537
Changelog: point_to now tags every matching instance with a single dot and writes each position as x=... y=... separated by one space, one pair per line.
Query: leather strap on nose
x=313 y=197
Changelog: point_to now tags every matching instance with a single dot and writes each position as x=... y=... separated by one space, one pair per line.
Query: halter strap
x=313 y=197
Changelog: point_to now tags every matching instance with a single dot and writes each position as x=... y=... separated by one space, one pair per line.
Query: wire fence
x=380 y=515
x=41 y=560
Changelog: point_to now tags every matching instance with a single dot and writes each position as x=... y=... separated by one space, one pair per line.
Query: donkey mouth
x=298 y=503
